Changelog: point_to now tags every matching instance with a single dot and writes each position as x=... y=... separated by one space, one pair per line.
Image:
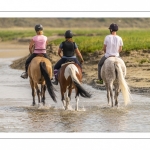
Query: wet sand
x=13 y=49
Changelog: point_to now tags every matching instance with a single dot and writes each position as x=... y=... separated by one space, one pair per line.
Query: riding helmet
x=68 y=34
x=38 y=27
x=113 y=27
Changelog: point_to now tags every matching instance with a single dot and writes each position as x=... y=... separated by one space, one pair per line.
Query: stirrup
x=24 y=75
x=55 y=82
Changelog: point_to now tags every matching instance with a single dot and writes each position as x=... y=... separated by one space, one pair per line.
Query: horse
x=113 y=73
x=40 y=72
x=69 y=78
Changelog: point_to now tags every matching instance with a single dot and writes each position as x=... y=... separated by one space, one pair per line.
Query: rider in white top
x=112 y=47
x=113 y=43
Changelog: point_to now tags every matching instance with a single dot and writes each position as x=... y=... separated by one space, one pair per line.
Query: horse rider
x=69 y=49
x=112 y=47
x=39 y=43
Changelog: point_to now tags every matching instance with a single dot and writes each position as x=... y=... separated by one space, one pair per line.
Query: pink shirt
x=40 y=43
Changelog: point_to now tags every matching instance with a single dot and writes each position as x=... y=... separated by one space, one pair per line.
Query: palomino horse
x=69 y=78
x=40 y=72
x=113 y=73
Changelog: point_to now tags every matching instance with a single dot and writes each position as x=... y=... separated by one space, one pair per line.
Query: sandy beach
x=13 y=49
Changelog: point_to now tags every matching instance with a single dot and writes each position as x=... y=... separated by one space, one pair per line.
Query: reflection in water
x=17 y=114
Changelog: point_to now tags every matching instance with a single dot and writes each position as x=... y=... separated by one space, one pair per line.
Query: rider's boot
x=56 y=79
x=24 y=75
x=100 y=81
x=99 y=75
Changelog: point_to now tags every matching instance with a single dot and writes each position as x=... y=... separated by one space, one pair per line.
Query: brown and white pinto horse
x=40 y=72
x=69 y=77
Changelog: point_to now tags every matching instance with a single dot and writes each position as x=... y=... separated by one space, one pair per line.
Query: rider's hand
x=82 y=61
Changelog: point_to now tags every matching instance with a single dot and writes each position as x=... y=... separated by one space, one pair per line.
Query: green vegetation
x=88 y=40
x=133 y=39
x=144 y=60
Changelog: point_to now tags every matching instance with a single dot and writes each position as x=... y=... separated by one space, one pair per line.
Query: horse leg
x=117 y=90
x=33 y=91
x=67 y=99
x=62 y=96
x=77 y=99
x=43 y=89
x=33 y=95
x=69 y=93
x=111 y=94
x=108 y=93
x=38 y=92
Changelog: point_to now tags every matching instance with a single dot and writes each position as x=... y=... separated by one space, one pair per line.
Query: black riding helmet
x=113 y=27
x=38 y=27
x=68 y=34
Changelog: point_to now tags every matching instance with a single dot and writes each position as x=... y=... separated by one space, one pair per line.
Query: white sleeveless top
x=112 y=42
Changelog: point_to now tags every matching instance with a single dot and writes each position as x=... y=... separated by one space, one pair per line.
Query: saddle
x=68 y=61
x=39 y=55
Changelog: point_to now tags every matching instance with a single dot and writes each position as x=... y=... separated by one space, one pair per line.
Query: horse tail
x=123 y=84
x=78 y=85
x=47 y=80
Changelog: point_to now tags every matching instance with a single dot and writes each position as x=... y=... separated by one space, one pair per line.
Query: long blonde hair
x=39 y=32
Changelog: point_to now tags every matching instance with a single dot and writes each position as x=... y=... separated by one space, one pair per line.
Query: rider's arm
x=79 y=54
x=104 y=48
x=46 y=44
x=31 y=46
x=120 y=49
x=59 y=52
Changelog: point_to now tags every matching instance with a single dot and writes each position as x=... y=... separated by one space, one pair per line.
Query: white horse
x=113 y=73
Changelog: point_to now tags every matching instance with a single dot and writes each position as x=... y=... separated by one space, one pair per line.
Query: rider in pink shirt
x=39 y=42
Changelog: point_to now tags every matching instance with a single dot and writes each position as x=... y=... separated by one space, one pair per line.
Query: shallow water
x=17 y=114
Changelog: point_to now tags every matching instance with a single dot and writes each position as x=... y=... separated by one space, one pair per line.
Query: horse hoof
x=43 y=103
x=33 y=104
x=66 y=108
